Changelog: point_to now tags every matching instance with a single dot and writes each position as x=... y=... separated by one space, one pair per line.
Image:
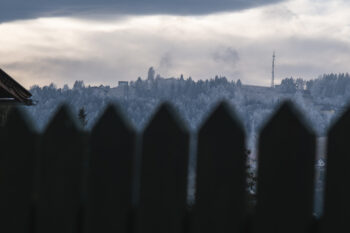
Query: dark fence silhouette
x=114 y=179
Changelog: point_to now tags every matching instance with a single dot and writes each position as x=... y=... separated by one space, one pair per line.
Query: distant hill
x=320 y=100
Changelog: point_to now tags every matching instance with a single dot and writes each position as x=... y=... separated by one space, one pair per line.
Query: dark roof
x=13 y=92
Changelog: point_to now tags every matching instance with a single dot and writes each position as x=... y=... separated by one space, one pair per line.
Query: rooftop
x=11 y=92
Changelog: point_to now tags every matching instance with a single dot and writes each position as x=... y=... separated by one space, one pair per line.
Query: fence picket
x=337 y=188
x=221 y=180
x=17 y=173
x=42 y=177
x=285 y=174
x=110 y=174
x=61 y=173
x=163 y=174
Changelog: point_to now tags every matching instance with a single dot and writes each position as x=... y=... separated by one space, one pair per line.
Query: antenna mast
x=273 y=70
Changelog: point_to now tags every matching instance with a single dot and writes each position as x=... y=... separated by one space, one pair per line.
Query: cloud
x=226 y=55
x=278 y=12
x=25 y=9
x=166 y=62
x=237 y=45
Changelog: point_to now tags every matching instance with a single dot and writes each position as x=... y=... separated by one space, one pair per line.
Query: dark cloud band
x=23 y=9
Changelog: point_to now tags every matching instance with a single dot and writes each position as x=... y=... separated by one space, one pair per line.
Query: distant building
x=124 y=88
x=255 y=88
x=123 y=83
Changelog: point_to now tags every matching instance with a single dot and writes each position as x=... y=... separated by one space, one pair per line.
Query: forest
x=319 y=100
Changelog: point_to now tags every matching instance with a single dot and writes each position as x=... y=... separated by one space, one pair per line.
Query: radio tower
x=273 y=70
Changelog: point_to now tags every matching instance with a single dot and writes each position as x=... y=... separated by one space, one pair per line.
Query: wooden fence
x=113 y=179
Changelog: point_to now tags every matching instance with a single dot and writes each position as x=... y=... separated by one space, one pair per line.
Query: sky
x=106 y=41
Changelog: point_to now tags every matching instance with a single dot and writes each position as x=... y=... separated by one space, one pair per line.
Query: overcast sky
x=105 y=41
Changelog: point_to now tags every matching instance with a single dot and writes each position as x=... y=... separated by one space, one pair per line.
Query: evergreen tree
x=251 y=184
x=288 y=85
x=239 y=83
x=82 y=117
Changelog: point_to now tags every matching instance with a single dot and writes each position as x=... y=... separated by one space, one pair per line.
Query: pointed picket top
x=17 y=120
x=341 y=125
x=166 y=118
x=62 y=164
x=221 y=177
x=111 y=119
x=112 y=150
x=337 y=188
x=289 y=118
x=163 y=184
x=18 y=162
x=61 y=120
x=222 y=117
x=285 y=172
